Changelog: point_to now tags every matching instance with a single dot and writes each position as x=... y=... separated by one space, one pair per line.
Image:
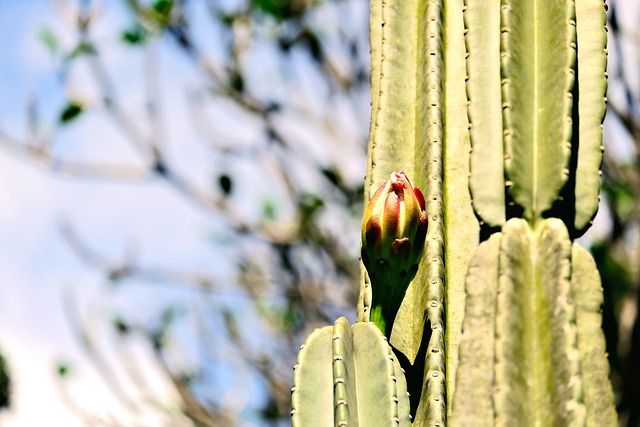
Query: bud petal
x=419 y=197
x=391 y=216
x=373 y=234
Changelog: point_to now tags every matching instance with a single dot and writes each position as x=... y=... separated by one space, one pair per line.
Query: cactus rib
x=532 y=351
x=429 y=154
x=473 y=405
x=461 y=225
x=313 y=382
x=482 y=40
x=537 y=373
x=538 y=56
x=587 y=292
x=591 y=20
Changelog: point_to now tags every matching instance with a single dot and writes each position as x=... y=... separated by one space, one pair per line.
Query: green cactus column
x=532 y=348
x=494 y=109
x=407 y=134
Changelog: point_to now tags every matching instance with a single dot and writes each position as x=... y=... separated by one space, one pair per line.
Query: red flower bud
x=394 y=228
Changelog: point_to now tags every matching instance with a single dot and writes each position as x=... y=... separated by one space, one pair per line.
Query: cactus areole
x=394 y=227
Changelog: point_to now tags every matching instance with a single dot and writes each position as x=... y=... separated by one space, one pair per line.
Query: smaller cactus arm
x=472 y=404
x=532 y=349
x=431 y=274
x=538 y=57
x=432 y=410
x=587 y=291
x=591 y=20
x=375 y=40
x=348 y=376
x=482 y=39
x=312 y=391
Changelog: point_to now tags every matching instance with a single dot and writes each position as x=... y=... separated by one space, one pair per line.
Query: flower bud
x=393 y=233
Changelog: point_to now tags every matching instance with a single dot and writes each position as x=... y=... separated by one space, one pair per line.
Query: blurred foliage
x=5 y=384
x=70 y=112
x=294 y=249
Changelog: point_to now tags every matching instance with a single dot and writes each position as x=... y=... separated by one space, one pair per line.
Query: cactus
x=348 y=376
x=494 y=108
x=545 y=365
x=530 y=293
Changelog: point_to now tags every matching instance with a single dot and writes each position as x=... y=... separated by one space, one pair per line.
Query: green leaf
x=137 y=35
x=163 y=7
x=269 y=211
x=121 y=326
x=50 y=40
x=332 y=175
x=309 y=206
x=225 y=183
x=5 y=383
x=63 y=369
x=83 y=48
x=237 y=81
x=70 y=112
x=279 y=9
x=538 y=55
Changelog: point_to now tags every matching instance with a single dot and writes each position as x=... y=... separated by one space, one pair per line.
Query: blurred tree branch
x=296 y=261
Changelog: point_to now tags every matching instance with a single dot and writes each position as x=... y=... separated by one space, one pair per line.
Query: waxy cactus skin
x=394 y=227
x=481 y=102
